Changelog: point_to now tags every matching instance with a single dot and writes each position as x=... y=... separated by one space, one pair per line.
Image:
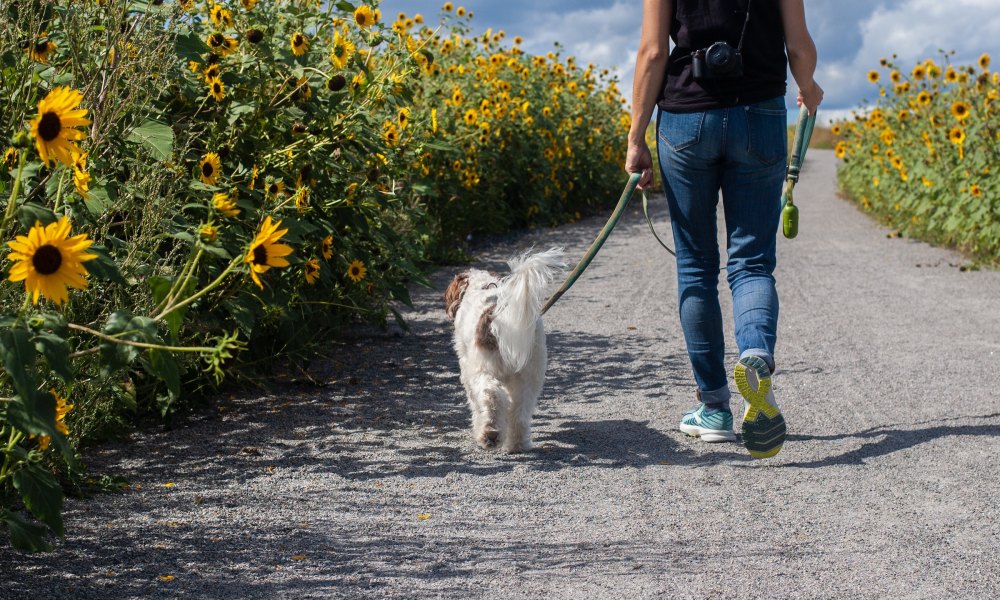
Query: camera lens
x=719 y=55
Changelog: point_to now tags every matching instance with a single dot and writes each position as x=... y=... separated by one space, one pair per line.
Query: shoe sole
x=763 y=424
x=708 y=435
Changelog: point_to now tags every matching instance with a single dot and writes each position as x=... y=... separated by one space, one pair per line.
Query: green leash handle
x=616 y=215
x=790 y=212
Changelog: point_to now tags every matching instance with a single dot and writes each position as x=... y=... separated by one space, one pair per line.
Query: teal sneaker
x=763 y=425
x=709 y=425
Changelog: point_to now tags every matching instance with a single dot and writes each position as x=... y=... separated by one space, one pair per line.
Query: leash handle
x=616 y=215
x=790 y=212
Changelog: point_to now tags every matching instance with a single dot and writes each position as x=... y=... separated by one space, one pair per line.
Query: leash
x=789 y=212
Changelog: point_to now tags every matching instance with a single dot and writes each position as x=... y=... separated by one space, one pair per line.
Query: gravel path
x=370 y=486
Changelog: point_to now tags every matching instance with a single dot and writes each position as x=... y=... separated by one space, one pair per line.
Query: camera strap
x=746 y=21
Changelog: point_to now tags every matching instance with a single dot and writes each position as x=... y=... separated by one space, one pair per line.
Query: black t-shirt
x=697 y=24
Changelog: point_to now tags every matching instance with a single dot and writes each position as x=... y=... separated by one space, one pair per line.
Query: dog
x=500 y=342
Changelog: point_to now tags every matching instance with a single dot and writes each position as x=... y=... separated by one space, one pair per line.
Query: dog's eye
x=490 y=285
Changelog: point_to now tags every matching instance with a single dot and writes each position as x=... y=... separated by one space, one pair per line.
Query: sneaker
x=711 y=425
x=763 y=425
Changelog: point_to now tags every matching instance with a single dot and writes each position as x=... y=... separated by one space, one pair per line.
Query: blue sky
x=851 y=35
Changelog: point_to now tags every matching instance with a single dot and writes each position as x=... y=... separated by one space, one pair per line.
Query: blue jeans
x=741 y=151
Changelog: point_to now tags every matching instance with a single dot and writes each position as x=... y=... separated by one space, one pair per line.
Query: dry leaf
x=169 y=484
x=166 y=577
x=298 y=557
x=424 y=516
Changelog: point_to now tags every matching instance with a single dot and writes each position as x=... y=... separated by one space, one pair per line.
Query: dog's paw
x=488 y=437
x=519 y=447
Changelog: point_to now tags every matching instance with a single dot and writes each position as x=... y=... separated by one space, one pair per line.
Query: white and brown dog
x=500 y=341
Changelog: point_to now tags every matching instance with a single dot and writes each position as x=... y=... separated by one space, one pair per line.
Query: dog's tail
x=519 y=303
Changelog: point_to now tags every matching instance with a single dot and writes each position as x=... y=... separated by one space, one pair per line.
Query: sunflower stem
x=178 y=286
x=15 y=437
x=146 y=345
x=218 y=280
x=12 y=202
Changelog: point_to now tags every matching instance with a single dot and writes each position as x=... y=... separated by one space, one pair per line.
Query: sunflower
x=404 y=117
x=343 y=50
x=873 y=76
x=447 y=7
x=40 y=51
x=984 y=61
x=895 y=76
x=299 y=43
x=976 y=191
x=275 y=188
x=53 y=128
x=919 y=72
x=62 y=408
x=208 y=233
x=222 y=44
x=326 y=247
x=301 y=198
x=225 y=205
x=209 y=168
x=470 y=117
x=11 y=158
x=212 y=72
x=249 y=5
x=48 y=260
x=460 y=11
x=390 y=134
x=960 y=110
x=81 y=177
x=311 y=271
x=957 y=135
x=356 y=271
x=364 y=16
x=923 y=98
x=217 y=89
x=951 y=76
x=265 y=251
x=221 y=17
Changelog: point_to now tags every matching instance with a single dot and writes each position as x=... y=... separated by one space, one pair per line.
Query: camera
x=718 y=61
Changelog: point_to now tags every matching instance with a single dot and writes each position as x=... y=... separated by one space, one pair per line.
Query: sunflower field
x=923 y=160
x=195 y=189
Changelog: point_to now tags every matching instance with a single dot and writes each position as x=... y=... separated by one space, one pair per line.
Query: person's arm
x=801 y=53
x=650 y=69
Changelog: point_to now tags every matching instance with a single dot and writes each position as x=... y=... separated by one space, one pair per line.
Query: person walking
x=721 y=126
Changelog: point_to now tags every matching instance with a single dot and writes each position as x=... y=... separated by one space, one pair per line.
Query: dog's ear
x=453 y=295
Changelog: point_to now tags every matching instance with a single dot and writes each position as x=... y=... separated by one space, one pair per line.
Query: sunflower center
x=47 y=259
x=260 y=255
x=49 y=126
x=207 y=169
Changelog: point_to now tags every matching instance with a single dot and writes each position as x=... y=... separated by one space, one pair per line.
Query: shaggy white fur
x=500 y=342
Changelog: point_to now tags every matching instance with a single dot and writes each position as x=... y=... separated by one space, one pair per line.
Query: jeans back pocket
x=767 y=124
x=681 y=130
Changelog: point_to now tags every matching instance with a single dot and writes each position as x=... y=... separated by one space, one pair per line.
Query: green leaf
x=42 y=494
x=237 y=110
x=30 y=213
x=34 y=413
x=24 y=536
x=103 y=267
x=56 y=352
x=157 y=137
x=18 y=355
x=122 y=325
x=163 y=365
x=189 y=46
x=101 y=199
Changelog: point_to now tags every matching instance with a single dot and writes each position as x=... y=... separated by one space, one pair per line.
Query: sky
x=851 y=35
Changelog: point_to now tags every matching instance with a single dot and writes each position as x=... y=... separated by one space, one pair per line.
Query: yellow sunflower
x=470 y=117
x=984 y=61
x=960 y=110
x=11 y=157
x=249 y=5
x=62 y=408
x=209 y=168
x=919 y=72
x=873 y=76
x=275 y=188
x=447 y=7
x=54 y=127
x=222 y=44
x=343 y=50
x=356 y=271
x=265 y=251
x=48 y=260
x=404 y=117
x=209 y=233
x=217 y=89
x=326 y=247
x=364 y=16
x=311 y=271
x=81 y=177
x=956 y=135
x=225 y=205
x=221 y=17
x=40 y=51
x=976 y=191
x=212 y=72
x=390 y=134
x=923 y=98
x=299 y=43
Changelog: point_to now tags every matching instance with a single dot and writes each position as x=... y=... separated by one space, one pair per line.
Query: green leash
x=789 y=212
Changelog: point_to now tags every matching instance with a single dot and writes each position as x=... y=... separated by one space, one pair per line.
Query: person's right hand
x=639 y=160
x=811 y=97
